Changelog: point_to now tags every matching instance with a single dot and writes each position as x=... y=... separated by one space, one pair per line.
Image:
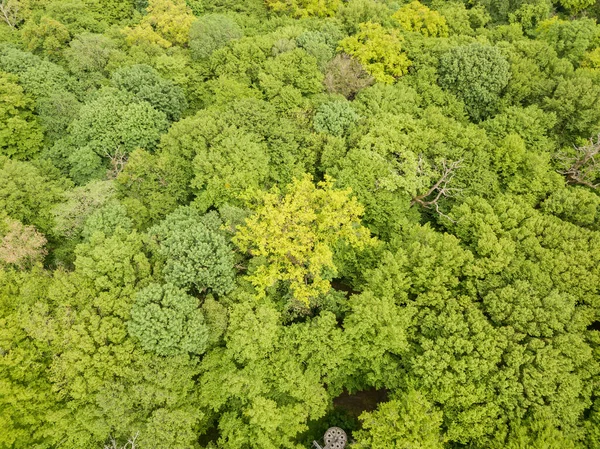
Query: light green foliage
x=211 y=32
x=20 y=133
x=56 y=112
x=477 y=74
x=89 y=53
x=295 y=231
x=39 y=78
x=168 y=321
x=114 y=123
x=574 y=103
x=25 y=391
x=108 y=219
x=319 y=44
x=576 y=6
x=417 y=17
x=76 y=16
x=244 y=382
x=377 y=319
x=411 y=421
x=236 y=162
x=108 y=387
x=535 y=432
x=226 y=151
x=354 y=12
x=592 y=59
x=304 y=8
x=531 y=14
x=195 y=253
x=288 y=76
x=27 y=194
x=534 y=69
x=336 y=118
x=577 y=205
x=151 y=186
x=171 y=19
x=379 y=51
x=188 y=190
x=146 y=84
x=570 y=38
x=49 y=36
x=78 y=204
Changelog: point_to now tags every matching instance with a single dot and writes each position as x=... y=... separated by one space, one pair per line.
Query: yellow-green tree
x=295 y=230
x=171 y=19
x=379 y=51
x=417 y=17
x=305 y=8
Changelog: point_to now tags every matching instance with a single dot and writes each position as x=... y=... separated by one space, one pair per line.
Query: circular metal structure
x=335 y=438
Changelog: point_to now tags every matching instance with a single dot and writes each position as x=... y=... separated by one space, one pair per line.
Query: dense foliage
x=223 y=221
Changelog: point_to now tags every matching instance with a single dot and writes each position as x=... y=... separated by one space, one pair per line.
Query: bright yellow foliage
x=295 y=231
x=305 y=8
x=379 y=51
x=144 y=35
x=417 y=17
x=171 y=19
x=591 y=59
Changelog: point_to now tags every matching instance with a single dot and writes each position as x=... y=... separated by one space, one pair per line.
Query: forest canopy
x=234 y=224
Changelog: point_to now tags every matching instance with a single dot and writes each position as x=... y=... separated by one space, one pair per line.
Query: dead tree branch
x=441 y=189
x=131 y=443
x=582 y=168
x=117 y=162
x=9 y=9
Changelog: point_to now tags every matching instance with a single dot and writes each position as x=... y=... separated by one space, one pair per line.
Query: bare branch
x=582 y=168
x=440 y=189
x=131 y=443
x=10 y=12
x=117 y=162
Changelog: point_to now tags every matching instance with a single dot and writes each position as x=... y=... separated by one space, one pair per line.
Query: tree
x=581 y=168
x=20 y=133
x=267 y=382
x=56 y=112
x=410 y=421
x=295 y=230
x=146 y=84
x=108 y=386
x=378 y=50
x=195 y=253
x=576 y=6
x=78 y=204
x=114 y=123
x=418 y=17
x=28 y=195
x=235 y=162
x=168 y=321
x=48 y=36
x=26 y=397
x=152 y=186
x=21 y=246
x=296 y=69
x=346 y=76
x=336 y=118
x=571 y=39
x=211 y=32
x=14 y=12
x=573 y=102
x=305 y=8
x=89 y=53
x=171 y=19
x=477 y=74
